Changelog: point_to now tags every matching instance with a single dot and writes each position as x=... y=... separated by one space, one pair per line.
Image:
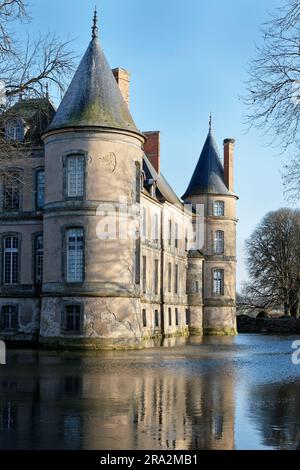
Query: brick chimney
x=152 y=148
x=122 y=77
x=229 y=163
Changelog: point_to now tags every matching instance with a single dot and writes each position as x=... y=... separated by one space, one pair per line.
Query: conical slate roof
x=208 y=176
x=93 y=97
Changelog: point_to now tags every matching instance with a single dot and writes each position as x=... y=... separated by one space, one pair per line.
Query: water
x=221 y=393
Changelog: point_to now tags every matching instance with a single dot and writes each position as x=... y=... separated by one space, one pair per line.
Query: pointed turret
x=93 y=97
x=208 y=176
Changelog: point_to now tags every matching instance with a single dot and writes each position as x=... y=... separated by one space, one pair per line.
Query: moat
x=217 y=393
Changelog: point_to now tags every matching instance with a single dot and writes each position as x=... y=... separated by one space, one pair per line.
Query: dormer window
x=14 y=130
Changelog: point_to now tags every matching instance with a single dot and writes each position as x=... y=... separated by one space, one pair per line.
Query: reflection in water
x=179 y=398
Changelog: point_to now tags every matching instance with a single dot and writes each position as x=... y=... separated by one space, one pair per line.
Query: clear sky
x=187 y=58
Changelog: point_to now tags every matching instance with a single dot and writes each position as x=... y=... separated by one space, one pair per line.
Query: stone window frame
x=187 y=316
x=137 y=258
x=34 y=237
x=144 y=274
x=64 y=231
x=215 y=294
x=20 y=172
x=156 y=276
x=222 y=203
x=17 y=316
x=2 y=238
x=63 y=323
x=35 y=192
x=70 y=153
x=216 y=241
x=176 y=278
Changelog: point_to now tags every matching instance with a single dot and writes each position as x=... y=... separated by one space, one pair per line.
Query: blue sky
x=187 y=59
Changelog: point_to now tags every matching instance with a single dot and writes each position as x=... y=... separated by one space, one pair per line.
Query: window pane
x=75 y=255
x=73 y=318
x=75 y=175
x=219 y=242
x=11 y=260
x=218 y=287
x=219 y=208
x=9 y=317
x=40 y=189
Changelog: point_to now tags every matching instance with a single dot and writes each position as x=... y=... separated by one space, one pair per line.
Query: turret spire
x=95 y=25
x=210 y=123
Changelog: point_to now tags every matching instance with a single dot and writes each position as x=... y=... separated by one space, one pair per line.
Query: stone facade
x=144 y=283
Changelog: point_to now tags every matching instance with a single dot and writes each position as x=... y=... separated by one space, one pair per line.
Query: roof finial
x=95 y=25
x=210 y=122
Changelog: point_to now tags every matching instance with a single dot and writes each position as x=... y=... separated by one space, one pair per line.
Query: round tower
x=212 y=186
x=93 y=159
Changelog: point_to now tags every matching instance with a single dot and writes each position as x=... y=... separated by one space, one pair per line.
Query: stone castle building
x=87 y=165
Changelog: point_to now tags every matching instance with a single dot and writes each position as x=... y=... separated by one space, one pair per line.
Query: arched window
x=9 y=317
x=75 y=255
x=11 y=260
x=218 y=281
x=219 y=208
x=219 y=242
x=14 y=130
x=75 y=175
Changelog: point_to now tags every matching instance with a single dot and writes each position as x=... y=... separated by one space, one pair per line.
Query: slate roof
x=93 y=97
x=164 y=190
x=208 y=176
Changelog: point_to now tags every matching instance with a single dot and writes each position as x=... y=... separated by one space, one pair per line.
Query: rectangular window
x=11 y=260
x=195 y=287
x=155 y=229
x=219 y=208
x=156 y=319
x=75 y=255
x=144 y=274
x=218 y=281
x=170 y=232
x=156 y=265
x=40 y=189
x=187 y=317
x=75 y=175
x=39 y=259
x=12 y=191
x=176 y=279
x=169 y=277
x=176 y=317
x=144 y=318
x=176 y=235
x=170 y=316
x=9 y=317
x=219 y=242
x=73 y=318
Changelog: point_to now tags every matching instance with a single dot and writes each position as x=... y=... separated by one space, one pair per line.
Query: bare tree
x=273 y=257
x=26 y=71
x=273 y=89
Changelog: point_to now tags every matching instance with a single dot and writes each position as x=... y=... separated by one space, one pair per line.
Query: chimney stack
x=152 y=148
x=229 y=163
x=122 y=77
